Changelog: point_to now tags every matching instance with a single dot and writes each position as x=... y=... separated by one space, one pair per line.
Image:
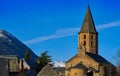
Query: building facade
x=9 y=65
x=87 y=62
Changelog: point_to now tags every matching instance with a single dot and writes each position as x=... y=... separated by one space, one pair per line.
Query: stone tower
x=88 y=62
x=88 y=35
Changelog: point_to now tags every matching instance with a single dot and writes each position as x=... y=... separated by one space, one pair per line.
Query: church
x=87 y=62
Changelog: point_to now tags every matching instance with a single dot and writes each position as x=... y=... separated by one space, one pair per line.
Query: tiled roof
x=59 y=69
x=88 y=24
x=80 y=65
x=97 y=58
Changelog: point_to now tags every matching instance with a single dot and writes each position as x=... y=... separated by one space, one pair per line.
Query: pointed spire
x=88 y=24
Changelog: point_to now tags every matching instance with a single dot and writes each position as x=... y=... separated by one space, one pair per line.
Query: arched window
x=68 y=74
x=84 y=36
x=91 y=36
x=91 y=43
x=75 y=74
x=105 y=71
x=84 y=43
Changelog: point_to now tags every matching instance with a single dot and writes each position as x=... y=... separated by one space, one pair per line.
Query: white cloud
x=68 y=32
x=58 y=34
x=108 y=25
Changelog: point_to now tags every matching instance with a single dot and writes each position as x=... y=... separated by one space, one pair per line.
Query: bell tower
x=88 y=35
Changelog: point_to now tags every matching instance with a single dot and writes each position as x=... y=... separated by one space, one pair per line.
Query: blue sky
x=53 y=25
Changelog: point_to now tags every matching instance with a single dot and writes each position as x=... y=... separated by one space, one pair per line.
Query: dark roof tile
x=80 y=65
x=88 y=24
x=97 y=58
x=59 y=69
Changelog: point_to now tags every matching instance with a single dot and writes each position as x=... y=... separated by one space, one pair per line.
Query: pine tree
x=44 y=58
x=27 y=55
x=117 y=58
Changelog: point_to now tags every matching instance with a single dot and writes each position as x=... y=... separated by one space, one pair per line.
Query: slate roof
x=88 y=23
x=59 y=69
x=80 y=65
x=97 y=58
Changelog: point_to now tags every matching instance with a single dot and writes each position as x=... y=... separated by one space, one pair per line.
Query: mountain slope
x=58 y=64
x=9 y=45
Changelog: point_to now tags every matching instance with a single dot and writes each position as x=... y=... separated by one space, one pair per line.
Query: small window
x=105 y=71
x=91 y=43
x=68 y=74
x=84 y=36
x=75 y=74
x=91 y=36
x=84 y=43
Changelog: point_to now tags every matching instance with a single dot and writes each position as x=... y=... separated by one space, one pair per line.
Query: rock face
x=9 y=45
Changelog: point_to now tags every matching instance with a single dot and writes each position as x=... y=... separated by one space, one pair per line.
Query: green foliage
x=117 y=58
x=27 y=54
x=44 y=58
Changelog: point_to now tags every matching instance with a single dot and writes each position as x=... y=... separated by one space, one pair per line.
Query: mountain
x=58 y=64
x=10 y=45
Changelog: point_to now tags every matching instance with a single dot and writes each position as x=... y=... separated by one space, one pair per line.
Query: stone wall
x=91 y=44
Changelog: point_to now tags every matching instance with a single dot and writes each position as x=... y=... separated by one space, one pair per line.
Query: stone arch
x=90 y=73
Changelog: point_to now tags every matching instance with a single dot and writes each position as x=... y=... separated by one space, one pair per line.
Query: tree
x=117 y=58
x=27 y=54
x=44 y=58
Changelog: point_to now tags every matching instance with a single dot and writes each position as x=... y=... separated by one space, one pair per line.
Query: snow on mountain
x=1 y=34
x=10 y=45
x=59 y=64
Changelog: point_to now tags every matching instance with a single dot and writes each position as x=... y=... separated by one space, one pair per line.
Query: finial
x=88 y=4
